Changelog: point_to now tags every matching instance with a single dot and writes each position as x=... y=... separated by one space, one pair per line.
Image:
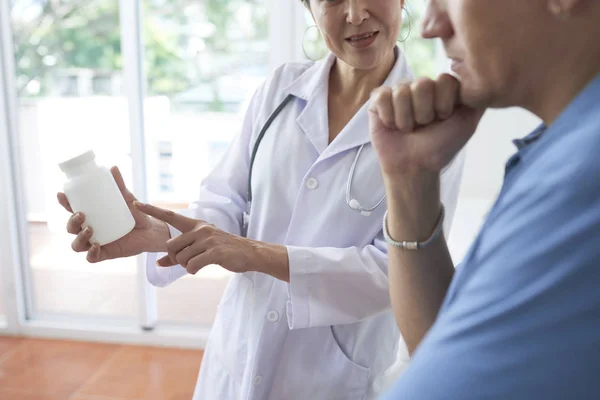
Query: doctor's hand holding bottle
x=201 y=244
x=417 y=129
x=149 y=234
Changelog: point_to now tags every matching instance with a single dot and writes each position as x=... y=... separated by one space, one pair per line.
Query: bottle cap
x=77 y=161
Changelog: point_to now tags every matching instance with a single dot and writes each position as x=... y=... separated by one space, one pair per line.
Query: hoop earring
x=409 y=27
x=304 y=42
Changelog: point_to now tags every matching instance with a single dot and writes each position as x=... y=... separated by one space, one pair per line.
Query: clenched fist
x=419 y=127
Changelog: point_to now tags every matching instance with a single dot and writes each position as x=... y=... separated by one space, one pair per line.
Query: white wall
x=487 y=153
x=490 y=148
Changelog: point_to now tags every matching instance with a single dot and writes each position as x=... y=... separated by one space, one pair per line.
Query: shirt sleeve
x=523 y=318
x=332 y=286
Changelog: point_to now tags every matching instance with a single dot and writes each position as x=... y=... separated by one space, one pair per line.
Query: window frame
x=285 y=38
x=286 y=28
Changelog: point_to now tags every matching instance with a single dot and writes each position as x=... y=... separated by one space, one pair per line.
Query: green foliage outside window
x=51 y=36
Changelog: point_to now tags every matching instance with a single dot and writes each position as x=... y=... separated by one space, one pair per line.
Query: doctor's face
x=362 y=33
x=497 y=48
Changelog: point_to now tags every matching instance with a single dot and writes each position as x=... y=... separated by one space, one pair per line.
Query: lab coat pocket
x=354 y=375
x=229 y=338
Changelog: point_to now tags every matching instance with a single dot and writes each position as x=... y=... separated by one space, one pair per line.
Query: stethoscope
x=352 y=202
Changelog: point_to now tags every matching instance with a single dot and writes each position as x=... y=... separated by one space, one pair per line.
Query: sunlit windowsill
x=167 y=335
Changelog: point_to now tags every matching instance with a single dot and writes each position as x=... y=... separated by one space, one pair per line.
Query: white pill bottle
x=92 y=190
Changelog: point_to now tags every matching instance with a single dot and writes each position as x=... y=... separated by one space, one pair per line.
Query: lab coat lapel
x=356 y=132
x=311 y=87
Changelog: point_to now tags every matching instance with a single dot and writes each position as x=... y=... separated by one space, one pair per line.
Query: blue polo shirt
x=521 y=320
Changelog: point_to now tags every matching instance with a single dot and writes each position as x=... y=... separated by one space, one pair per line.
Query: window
x=69 y=81
x=203 y=61
x=165 y=166
x=420 y=53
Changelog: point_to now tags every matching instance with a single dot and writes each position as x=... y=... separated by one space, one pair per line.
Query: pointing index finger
x=183 y=223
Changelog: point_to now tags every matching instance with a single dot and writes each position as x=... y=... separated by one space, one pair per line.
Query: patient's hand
x=419 y=127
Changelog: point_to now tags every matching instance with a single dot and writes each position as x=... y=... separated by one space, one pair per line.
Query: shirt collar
x=316 y=77
x=312 y=87
x=531 y=138
x=585 y=105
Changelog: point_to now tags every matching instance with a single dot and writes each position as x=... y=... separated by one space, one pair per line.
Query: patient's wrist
x=413 y=205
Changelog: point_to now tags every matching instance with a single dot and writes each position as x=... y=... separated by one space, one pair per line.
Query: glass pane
x=204 y=59
x=420 y=53
x=69 y=78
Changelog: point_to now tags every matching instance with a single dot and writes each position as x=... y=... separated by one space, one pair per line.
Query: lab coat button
x=257 y=380
x=273 y=316
x=312 y=183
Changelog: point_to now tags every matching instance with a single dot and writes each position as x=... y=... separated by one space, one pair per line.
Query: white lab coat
x=330 y=333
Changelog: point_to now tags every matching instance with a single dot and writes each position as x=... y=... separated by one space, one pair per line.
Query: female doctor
x=294 y=208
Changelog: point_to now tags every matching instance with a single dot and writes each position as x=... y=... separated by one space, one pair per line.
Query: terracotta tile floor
x=39 y=369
